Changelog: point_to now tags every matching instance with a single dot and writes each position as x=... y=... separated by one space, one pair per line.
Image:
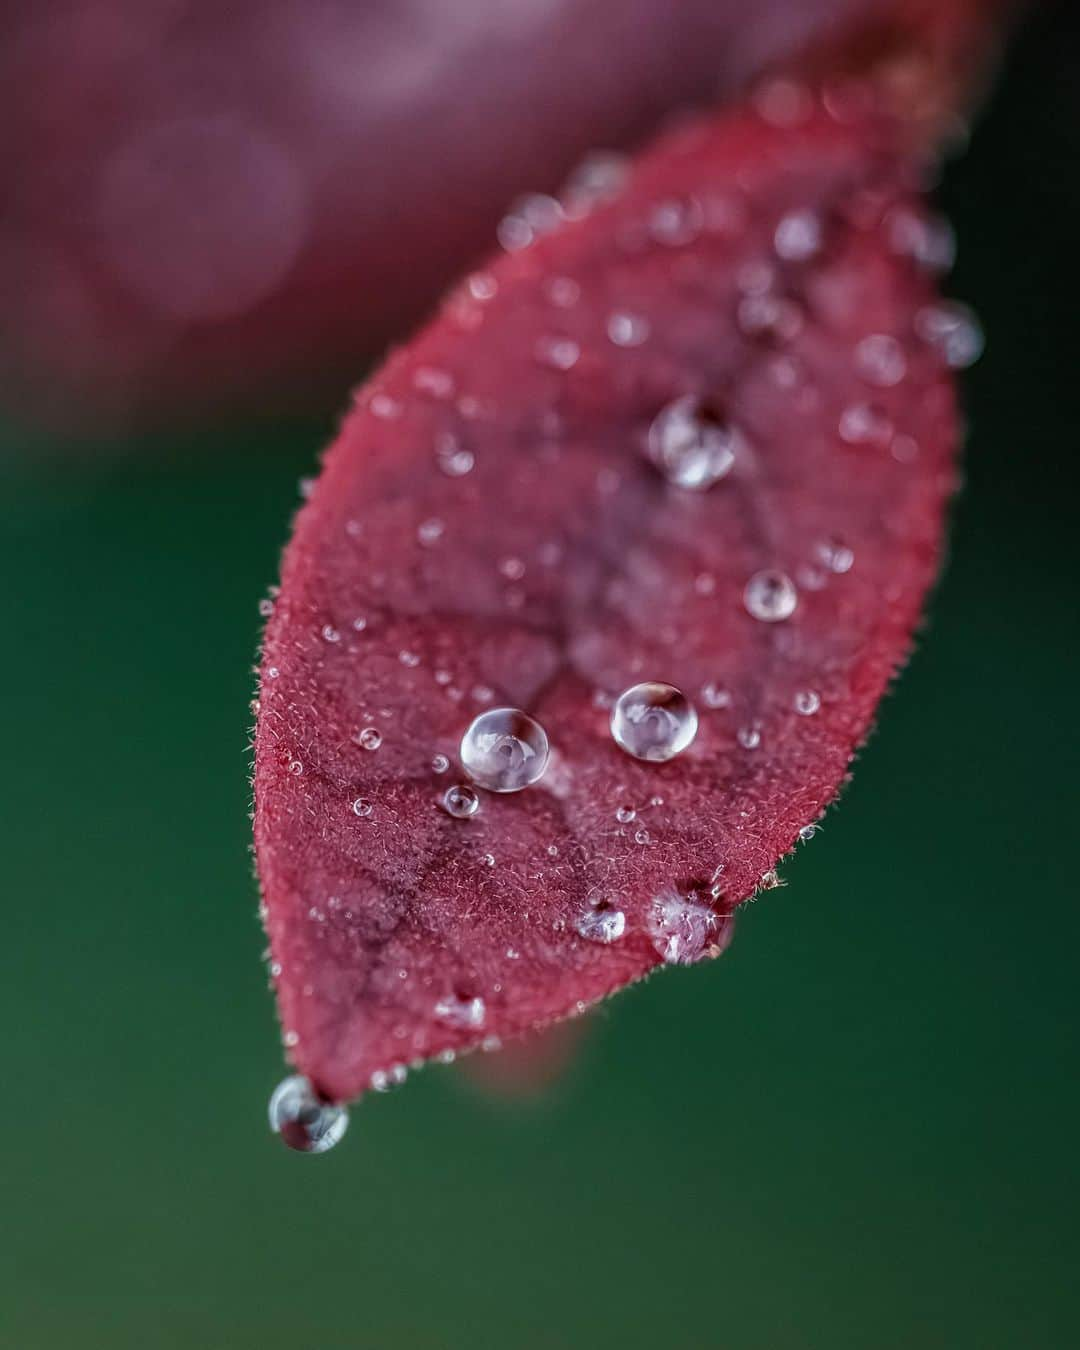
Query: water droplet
x=359 y=623
x=783 y=102
x=625 y=814
x=369 y=739
x=457 y=1011
x=296 y=767
x=266 y=608
x=385 y=1080
x=642 y=837
x=807 y=832
x=954 y=332
x=880 y=360
x=681 y=927
x=836 y=555
x=691 y=445
x=513 y=569
x=331 y=634
x=602 y=925
x=439 y=764
x=628 y=330
x=807 y=702
x=798 y=236
x=362 y=807
x=429 y=532
x=558 y=353
x=599 y=177
x=460 y=801
x=410 y=659
x=564 y=292
x=384 y=407
x=930 y=241
x=715 y=696
x=748 y=737
x=865 y=424
x=675 y=223
x=653 y=721
x=304 y=1122
x=272 y=672
x=769 y=316
x=482 y=286
x=452 y=459
x=504 y=750
x=770 y=596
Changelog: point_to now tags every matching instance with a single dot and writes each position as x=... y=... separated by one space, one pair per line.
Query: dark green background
x=859 y=1130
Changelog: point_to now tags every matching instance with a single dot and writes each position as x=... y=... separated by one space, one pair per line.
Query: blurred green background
x=857 y=1130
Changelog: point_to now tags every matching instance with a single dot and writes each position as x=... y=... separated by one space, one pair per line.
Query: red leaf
x=488 y=531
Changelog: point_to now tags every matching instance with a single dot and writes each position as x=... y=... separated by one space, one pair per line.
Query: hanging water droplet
x=653 y=721
x=798 y=236
x=362 y=807
x=691 y=445
x=953 y=330
x=770 y=596
x=458 y=1011
x=303 y=1121
x=807 y=702
x=602 y=925
x=504 y=750
x=880 y=360
x=460 y=801
x=369 y=739
x=681 y=927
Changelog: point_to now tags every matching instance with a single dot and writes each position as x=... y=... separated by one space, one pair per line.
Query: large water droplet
x=504 y=750
x=691 y=445
x=460 y=801
x=304 y=1122
x=653 y=721
x=770 y=596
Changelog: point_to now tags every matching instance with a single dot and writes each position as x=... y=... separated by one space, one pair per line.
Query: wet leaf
x=700 y=432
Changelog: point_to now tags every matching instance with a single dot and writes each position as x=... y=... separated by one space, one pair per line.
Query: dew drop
x=865 y=424
x=681 y=928
x=385 y=1080
x=770 y=596
x=266 y=608
x=456 y=1011
x=880 y=360
x=439 y=764
x=369 y=739
x=452 y=459
x=558 y=353
x=798 y=236
x=807 y=832
x=361 y=807
x=836 y=555
x=691 y=446
x=807 y=702
x=653 y=721
x=953 y=331
x=331 y=634
x=748 y=737
x=715 y=696
x=384 y=407
x=628 y=330
x=430 y=532
x=625 y=814
x=409 y=659
x=303 y=1121
x=602 y=925
x=564 y=292
x=504 y=750
x=460 y=801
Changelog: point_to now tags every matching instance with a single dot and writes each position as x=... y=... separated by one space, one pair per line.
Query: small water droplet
x=653 y=721
x=384 y=407
x=564 y=292
x=303 y=1121
x=430 y=380
x=558 y=353
x=452 y=459
x=369 y=739
x=807 y=832
x=296 y=767
x=409 y=659
x=628 y=330
x=865 y=424
x=798 y=236
x=748 y=737
x=362 y=807
x=429 y=532
x=439 y=764
x=769 y=316
x=953 y=331
x=807 y=702
x=835 y=555
x=482 y=286
x=770 y=596
x=331 y=634
x=880 y=360
x=266 y=608
x=359 y=623
x=691 y=445
x=385 y=1080
x=602 y=925
x=675 y=223
x=625 y=814
x=272 y=672
x=715 y=696
x=460 y=801
x=458 y=1011
x=504 y=750
x=513 y=569
x=642 y=837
